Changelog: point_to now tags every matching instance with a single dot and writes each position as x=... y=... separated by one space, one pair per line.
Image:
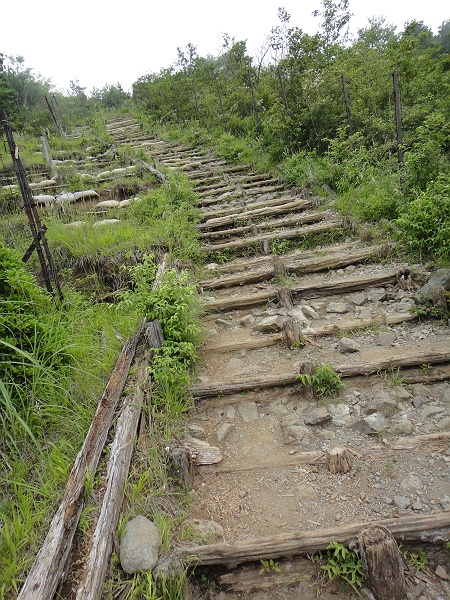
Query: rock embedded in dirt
x=376 y=294
x=309 y=312
x=441 y=279
x=295 y=434
x=418 y=401
x=382 y=404
x=271 y=324
x=347 y=346
x=205 y=530
x=402 y=502
x=337 y=307
x=411 y=482
x=249 y=411
x=224 y=323
x=318 y=416
x=223 y=431
x=359 y=299
x=431 y=411
x=363 y=312
x=403 y=427
x=372 y=424
x=386 y=338
x=139 y=546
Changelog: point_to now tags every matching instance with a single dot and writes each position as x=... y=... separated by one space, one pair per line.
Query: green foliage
x=425 y=221
x=175 y=304
x=324 y=381
x=342 y=563
x=374 y=199
x=269 y=566
x=417 y=560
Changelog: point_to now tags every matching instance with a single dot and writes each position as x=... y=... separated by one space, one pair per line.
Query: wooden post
x=347 y=105
x=382 y=563
x=339 y=460
x=293 y=334
x=283 y=91
x=398 y=118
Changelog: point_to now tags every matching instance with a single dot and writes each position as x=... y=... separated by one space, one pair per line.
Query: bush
x=28 y=334
x=373 y=200
x=425 y=222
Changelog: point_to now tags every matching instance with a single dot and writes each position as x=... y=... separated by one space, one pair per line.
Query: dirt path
x=273 y=478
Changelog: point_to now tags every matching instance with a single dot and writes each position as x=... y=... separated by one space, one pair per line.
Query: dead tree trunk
x=293 y=334
x=382 y=563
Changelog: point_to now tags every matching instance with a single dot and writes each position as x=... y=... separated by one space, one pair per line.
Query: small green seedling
x=269 y=566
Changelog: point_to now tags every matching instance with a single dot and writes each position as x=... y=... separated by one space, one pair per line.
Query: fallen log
x=430 y=528
x=329 y=329
x=300 y=219
x=386 y=359
x=97 y=560
x=294 y=265
x=281 y=207
x=261 y=262
x=48 y=567
x=315 y=289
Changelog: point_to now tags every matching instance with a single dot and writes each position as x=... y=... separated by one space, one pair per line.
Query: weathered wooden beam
x=281 y=207
x=329 y=329
x=48 y=568
x=430 y=528
x=314 y=289
x=293 y=265
x=387 y=359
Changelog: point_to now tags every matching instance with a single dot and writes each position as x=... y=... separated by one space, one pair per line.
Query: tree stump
x=182 y=462
x=340 y=460
x=285 y=297
x=254 y=229
x=439 y=298
x=382 y=563
x=293 y=334
x=265 y=246
x=279 y=268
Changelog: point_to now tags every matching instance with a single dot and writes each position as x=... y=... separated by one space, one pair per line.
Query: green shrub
x=305 y=169
x=425 y=222
x=375 y=199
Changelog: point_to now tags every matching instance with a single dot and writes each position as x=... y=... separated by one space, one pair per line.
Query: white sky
x=103 y=42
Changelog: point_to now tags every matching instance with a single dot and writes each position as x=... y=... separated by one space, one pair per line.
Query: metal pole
x=347 y=106
x=398 y=118
x=37 y=229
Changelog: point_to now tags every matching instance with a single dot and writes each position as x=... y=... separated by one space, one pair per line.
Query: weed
x=324 y=381
x=417 y=560
x=279 y=247
x=269 y=566
x=342 y=563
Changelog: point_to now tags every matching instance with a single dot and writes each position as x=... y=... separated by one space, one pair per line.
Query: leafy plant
x=269 y=566
x=325 y=381
x=417 y=560
x=342 y=563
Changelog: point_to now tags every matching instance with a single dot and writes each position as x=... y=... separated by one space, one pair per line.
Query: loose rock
x=139 y=546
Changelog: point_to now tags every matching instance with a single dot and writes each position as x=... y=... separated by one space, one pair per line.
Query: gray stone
x=270 y=324
x=418 y=401
x=417 y=505
x=205 y=530
x=441 y=279
x=359 y=299
x=430 y=411
x=411 y=482
x=442 y=573
x=374 y=423
x=318 y=416
x=224 y=323
x=382 y=404
x=297 y=313
x=403 y=427
x=340 y=414
x=386 y=338
x=444 y=424
x=139 y=546
x=305 y=492
x=376 y=294
x=363 y=312
x=309 y=312
x=347 y=346
x=223 y=431
x=295 y=434
x=231 y=412
x=249 y=411
x=401 y=394
x=337 y=307
x=247 y=321
x=291 y=419
x=196 y=429
x=402 y=501
x=304 y=590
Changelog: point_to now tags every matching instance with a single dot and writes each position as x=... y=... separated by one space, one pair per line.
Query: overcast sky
x=99 y=42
